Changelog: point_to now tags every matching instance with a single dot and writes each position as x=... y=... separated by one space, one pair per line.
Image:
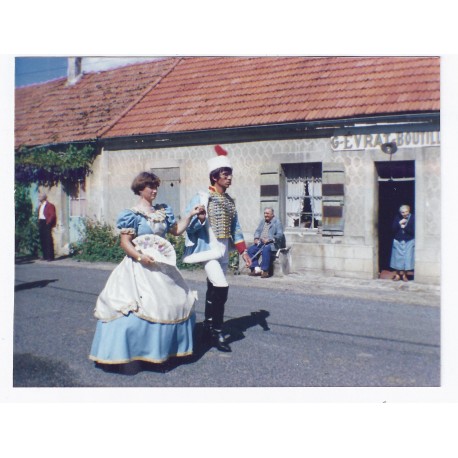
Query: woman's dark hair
x=214 y=174
x=144 y=179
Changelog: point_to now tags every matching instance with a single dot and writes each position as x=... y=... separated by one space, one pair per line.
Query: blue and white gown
x=144 y=313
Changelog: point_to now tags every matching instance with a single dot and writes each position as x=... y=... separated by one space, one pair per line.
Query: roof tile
x=56 y=112
x=195 y=93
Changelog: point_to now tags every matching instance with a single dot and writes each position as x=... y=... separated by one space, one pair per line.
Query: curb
x=380 y=290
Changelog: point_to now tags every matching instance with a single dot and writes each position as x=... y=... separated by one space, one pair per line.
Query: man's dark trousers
x=47 y=244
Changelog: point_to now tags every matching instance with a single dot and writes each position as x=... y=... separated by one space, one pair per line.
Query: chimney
x=74 y=72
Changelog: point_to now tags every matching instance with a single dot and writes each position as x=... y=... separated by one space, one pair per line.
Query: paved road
x=301 y=331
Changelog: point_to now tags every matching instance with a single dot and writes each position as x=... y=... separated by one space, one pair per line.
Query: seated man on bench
x=268 y=238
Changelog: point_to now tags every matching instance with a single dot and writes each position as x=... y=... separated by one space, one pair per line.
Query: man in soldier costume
x=209 y=238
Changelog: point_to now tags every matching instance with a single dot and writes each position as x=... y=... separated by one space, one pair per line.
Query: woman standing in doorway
x=403 y=250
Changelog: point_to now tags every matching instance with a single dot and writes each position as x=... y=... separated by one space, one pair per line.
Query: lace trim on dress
x=128 y=230
x=156 y=216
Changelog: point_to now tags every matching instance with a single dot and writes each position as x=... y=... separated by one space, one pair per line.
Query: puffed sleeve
x=127 y=222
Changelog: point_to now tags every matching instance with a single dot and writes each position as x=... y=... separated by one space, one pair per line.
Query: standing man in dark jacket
x=268 y=237
x=46 y=223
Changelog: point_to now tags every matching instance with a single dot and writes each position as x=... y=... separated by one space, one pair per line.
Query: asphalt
x=384 y=290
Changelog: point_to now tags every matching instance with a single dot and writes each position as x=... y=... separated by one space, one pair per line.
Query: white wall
x=352 y=255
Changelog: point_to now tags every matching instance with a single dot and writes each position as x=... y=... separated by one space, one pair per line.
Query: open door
x=396 y=186
x=77 y=213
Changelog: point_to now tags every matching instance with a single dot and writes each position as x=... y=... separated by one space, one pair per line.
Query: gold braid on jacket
x=221 y=213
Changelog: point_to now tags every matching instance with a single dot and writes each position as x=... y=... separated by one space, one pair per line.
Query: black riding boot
x=219 y=299
x=208 y=322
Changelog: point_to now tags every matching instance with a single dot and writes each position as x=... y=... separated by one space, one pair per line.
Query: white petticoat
x=157 y=293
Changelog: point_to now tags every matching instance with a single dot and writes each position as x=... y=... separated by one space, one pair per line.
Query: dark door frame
x=396 y=187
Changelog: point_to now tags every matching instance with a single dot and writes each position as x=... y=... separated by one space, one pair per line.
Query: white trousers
x=216 y=268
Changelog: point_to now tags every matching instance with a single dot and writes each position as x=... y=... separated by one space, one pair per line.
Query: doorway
x=77 y=205
x=396 y=186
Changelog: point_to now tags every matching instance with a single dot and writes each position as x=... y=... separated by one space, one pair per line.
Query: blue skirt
x=131 y=338
x=403 y=255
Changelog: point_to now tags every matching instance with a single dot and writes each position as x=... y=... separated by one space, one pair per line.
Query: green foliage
x=99 y=243
x=26 y=237
x=234 y=259
x=47 y=167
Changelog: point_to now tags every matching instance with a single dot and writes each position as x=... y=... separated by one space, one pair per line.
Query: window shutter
x=270 y=189
x=333 y=192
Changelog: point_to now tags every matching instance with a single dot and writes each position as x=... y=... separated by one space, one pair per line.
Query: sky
x=29 y=70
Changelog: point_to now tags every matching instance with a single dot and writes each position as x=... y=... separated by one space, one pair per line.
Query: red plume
x=220 y=151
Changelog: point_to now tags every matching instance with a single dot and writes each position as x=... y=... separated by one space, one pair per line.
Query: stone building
x=334 y=144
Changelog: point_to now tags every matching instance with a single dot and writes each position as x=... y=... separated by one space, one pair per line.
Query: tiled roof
x=224 y=92
x=56 y=112
x=197 y=93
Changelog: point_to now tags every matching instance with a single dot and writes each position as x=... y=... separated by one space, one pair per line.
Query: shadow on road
x=31 y=259
x=34 y=284
x=25 y=259
x=237 y=326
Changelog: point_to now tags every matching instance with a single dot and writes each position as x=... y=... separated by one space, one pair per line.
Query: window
x=307 y=196
x=303 y=195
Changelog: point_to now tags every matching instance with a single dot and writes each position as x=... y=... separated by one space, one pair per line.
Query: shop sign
x=402 y=139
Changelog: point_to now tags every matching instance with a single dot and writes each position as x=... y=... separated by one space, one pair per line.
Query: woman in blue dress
x=145 y=311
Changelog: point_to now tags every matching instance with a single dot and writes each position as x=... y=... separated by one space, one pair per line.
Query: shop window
x=303 y=195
